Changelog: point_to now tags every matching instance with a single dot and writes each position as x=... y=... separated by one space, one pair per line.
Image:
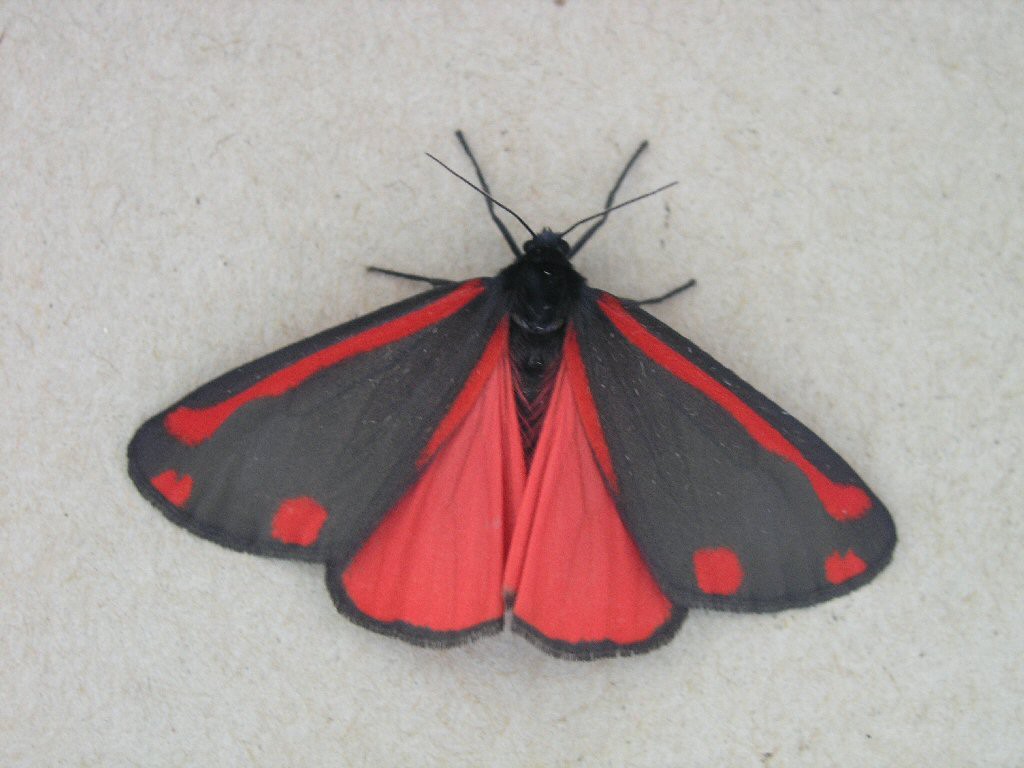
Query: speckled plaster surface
x=185 y=186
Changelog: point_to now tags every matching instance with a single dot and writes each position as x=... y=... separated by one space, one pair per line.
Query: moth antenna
x=512 y=244
x=485 y=194
x=606 y=211
x=611 y=199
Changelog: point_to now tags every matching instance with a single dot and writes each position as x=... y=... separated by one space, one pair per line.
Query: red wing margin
x=733 y=502
x=301 y=453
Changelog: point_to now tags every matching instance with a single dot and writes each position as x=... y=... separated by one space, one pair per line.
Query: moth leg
x=674 y=292
x=434 y=281
x=490 y=205
x=609 y=202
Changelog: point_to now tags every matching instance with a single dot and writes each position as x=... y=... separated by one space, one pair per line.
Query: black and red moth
x=520 y=445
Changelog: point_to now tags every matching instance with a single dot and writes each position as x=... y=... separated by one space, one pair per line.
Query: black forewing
x=348 y=437
x=692 y=478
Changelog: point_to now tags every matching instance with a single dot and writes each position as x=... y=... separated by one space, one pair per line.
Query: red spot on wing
x=576 y=573
x=435 y=561
x=718 y=571
x=298 y=521
x=174 y=487
x=842 y=502
x=192 y=426
x=840 y=568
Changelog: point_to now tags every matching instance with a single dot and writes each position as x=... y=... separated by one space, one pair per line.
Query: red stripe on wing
x=577 y=374
x=494 y=352
x=842 y=502
x=192 y=426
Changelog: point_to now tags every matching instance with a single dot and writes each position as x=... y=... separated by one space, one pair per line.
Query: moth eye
x=546 y=272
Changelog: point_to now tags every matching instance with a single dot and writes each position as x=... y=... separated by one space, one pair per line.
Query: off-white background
x=184 y=187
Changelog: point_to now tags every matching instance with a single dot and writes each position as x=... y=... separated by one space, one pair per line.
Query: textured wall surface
x=184 y=187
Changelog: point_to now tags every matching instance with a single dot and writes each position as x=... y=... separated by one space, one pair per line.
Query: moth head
x=547 y=247
x=543 y=284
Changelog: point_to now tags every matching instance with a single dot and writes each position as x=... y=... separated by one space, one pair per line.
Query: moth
x=521 y=449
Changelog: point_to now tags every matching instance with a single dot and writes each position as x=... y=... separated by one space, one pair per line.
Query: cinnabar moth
x=522 y=444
